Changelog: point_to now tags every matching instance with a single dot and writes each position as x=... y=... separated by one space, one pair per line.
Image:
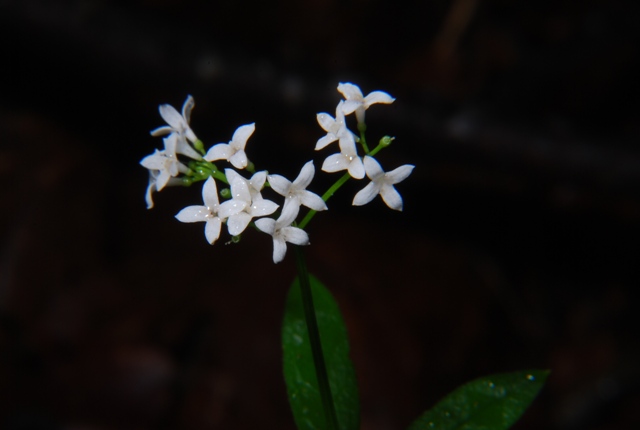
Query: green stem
x=331 y=191
x=340 y=182
x=316 y=344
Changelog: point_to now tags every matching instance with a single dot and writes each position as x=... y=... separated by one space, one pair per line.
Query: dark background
x=517 y=247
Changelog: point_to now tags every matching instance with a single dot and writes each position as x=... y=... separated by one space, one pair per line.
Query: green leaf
x=299 y=370
x=490 y=403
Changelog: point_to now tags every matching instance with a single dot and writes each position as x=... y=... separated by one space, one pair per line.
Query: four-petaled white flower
x=213 y=212
x=382 y=183
x=347 y=159
x=335 y=127
x=233 y=151
x=179 y=126
x=295 y=192
x=248 y=193
x=165 y=163
x=356 y=102
x=282 y=231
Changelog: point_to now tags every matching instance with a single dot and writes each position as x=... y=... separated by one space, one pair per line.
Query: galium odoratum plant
x=318 y=373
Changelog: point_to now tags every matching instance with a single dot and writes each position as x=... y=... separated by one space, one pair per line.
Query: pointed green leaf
x=490 y=403
x=299 y=371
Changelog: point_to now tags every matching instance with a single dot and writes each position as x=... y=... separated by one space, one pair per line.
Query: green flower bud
x=225 y=193
x=386 y=140
x=199 y=146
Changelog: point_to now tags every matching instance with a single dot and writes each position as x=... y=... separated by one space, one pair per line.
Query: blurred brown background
x=517 y=247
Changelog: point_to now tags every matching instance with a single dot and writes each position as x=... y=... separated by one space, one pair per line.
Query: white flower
x=358 y=103
x=382 y=183
x=233 y=152
x=165 y=162
x=347 y=159
x=213 y=213
x=152 y=187
x=179 y=126
x=336 y=128
x=247 y=192
x=282 y=231
x=295 y=192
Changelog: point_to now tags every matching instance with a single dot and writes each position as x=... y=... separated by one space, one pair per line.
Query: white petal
x=391 y=197
x=262 y=208
x=221 y=151
x=231 y=207
x=372 y=167
x=335 y=163
x=377 y=97
x=238 y=222
x=356 y=168
x=326 y=121
x=193 y=214
x=279 y=249
x=188 y=105
x=212 y=229
x=325 y=140
x=154 y=161
x=348 y=146
x=279 y=184
x=174 y=167
x=171 y=116
x=290 y=211
x=350 y=105
x=366 y=194
x=350 y=91
x=161 y=131
x=305 y=177
x=239 y=187
x=150 y=189
x=258 y=179
x=184 y=148
x=189 y=134
x=313 y=201
x=210 y=193
x=162 y=179
x=239 y=139
x=239 y=159
x=399 y=174
x=346 y=138
x=266 y=225
x=295 y=235
x=231 y=175
x=170 y=144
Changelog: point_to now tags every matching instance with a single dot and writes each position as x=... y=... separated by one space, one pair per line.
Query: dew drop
x=491 y=384
x=431 y=424
x=531 y=377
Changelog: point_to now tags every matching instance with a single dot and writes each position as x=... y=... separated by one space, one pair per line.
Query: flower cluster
x=183 y=160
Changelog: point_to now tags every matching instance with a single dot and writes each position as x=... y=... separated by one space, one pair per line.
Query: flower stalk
x=315 y=342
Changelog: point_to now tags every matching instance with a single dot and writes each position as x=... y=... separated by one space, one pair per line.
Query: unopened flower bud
x=386 y=140
x=199 y=146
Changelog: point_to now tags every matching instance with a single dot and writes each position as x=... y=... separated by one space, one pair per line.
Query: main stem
x=316 y=344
